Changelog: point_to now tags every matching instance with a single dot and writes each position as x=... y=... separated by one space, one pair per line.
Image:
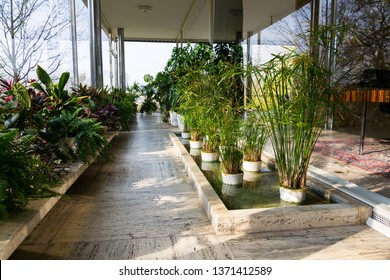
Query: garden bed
x=346 y=211
x=18 y=227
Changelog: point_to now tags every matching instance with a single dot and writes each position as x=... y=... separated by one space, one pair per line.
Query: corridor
x=143 y=206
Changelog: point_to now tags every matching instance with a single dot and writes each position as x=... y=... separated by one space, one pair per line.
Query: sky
x=140 y=58
x=145 y=58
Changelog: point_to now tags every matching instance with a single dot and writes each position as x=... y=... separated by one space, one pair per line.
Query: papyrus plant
x=292 y=94
x=254 y=135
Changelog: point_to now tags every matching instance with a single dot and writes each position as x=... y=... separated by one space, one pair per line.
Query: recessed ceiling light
x=144 y=9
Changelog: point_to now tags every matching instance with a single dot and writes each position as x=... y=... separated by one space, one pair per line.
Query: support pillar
x=248 y=87
x=95 y=44
x=315 y=19
x=121 y=59
x=74 y=43
x=211 y=21
x=116 y=67
x=111 y=52
x=332 y=60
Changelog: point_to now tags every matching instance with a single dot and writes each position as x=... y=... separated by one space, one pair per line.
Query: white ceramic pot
x=185 y=135
x=253 y=166
x=195 y=144
x=210 y=157
x=232 y=179
x=291 y=195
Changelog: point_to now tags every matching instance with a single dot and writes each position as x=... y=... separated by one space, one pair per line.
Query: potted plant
x=191 y=112
x=149 y=104
x=253 y=138
x=292 y=96
x=229 y=149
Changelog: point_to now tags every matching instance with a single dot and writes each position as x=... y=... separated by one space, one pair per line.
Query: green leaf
x=38 y=86
x=44 y=77
x=23 y=96
x=62 y=83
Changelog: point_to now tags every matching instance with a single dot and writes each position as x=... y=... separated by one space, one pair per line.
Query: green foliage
x=149 y=92
x=57 y=97
x=22 y=174
x=293 y=98
x=90 y=140
x=148 y=106
x=254 y=135
x=88 y=134
x=123 y=100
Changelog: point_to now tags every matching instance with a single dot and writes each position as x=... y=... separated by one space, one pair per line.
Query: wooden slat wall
x=367 y=95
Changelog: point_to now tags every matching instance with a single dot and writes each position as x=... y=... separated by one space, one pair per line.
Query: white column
x=74 y=43
x=95 y=43
x=211 y=21
x=121 y=58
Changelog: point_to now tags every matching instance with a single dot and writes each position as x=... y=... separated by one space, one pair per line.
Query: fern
x=22 y=174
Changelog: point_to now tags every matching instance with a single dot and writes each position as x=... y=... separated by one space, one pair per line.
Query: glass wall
x=362 y=45
x=278 y=37
x=364 y=61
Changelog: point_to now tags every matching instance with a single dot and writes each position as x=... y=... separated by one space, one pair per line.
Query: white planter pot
x=185 y=141
x=195 y=144
x=253 y=166
x=173 y=118
x=195 y=152
x=292 y=196
x=232 y=179
x=210 y=157
x=185 y=135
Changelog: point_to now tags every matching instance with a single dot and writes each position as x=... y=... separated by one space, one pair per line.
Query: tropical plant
x=149 y=104
x=88 y=134
x=292 y=97
x=191 y=112
x=22 y=174
x=125 y=101
x=109 y=116
x=57 y=97
x=14 y=98
x=230 y=150
x=254 y=135
x=100 y=97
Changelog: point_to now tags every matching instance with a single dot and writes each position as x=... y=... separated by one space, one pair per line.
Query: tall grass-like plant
x=230 y=119
x=254 y=135
x=230 y=151
x=292 y=95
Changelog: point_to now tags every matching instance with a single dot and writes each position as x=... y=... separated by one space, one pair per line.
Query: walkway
x=142 y=206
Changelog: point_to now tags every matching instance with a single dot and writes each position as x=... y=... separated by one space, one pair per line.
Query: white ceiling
x=168 y=17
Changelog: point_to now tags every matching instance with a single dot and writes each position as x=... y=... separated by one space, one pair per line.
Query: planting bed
x=344 y=211
x=18 y=227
